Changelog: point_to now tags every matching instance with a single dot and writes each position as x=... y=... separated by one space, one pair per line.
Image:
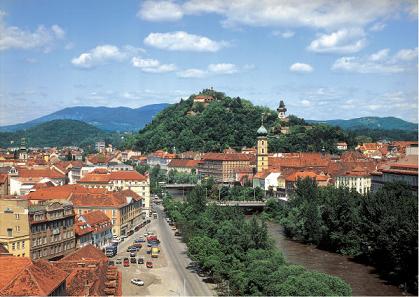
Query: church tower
x=23 y=152
x=262 y=149
x=281 y=111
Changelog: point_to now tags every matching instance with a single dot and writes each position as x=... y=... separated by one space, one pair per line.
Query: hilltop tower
x=23 y=152
x=262 y=149
x=281 y=111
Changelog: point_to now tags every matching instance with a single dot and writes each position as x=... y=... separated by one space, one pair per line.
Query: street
x=169 y=275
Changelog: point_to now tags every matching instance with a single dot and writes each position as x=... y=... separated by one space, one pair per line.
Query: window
x=9 y=232
x=13 y=246
x=23 y=246
x=17 y=216
x=17 y=228
x=18 y=245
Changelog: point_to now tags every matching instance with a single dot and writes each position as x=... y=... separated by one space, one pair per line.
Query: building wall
x=362 y=184
x=52 y=232
x=14 y=226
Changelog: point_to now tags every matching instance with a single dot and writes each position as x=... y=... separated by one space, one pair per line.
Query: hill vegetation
x=385 y=123
x=106 y=118
x=59 y=133
x=233 y=122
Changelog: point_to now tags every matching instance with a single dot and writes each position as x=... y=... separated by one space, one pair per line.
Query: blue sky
x=326 y=59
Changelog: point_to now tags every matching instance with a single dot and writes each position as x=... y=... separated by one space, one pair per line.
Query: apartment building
x=51 y=229
x=14 y=225
x=222 y=167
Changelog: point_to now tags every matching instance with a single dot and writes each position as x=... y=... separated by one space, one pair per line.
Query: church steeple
x=262 y=148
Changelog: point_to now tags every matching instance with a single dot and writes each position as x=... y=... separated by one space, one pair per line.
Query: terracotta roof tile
x=227 y=157
x=184 y=163
x=24 y=277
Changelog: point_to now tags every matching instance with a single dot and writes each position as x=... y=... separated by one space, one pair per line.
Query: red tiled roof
x=23 y=277
x=104 y=177
x=226 y=157
x=110 y=199
x=62 y=192
x=96 y=217
x=88 y=252
x=303 y=174
x=44 y=172
x=184 y=163
x=81 y=228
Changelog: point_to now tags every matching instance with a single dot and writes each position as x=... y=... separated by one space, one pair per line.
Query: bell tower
x=262 y=149
x=281 y=111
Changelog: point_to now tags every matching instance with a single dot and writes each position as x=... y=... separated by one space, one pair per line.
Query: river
x=360 y=277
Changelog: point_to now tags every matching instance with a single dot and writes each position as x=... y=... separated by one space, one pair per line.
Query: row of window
x=53 y=250
x=55 y=224
x=18 y=245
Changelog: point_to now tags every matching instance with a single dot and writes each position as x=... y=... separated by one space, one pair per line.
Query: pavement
x=169 y=275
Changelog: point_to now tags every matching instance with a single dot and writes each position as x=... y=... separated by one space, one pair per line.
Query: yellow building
x=14 y=225
x=262 y=149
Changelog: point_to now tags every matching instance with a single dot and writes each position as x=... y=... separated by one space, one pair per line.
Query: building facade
x=262 y=149
x=357 y=179
x=51 y=229
x=14 y=225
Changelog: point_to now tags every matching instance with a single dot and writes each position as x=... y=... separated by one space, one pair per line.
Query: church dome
x=262 y=131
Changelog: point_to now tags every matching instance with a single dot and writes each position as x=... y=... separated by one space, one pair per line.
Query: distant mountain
x=59 y=133
x=386 y=123
x=106 y=118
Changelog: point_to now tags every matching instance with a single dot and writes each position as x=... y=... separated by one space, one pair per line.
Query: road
x=169 y=275
x=176 y=250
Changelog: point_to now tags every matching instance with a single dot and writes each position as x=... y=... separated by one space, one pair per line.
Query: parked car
x=177 y=233
x=132 y=254
x=131 y=248
x=119 y=261
x=133 y=260
x=126 y=262
x=140 y=240
x=111 y=263
x=149 y=264
x=137 y=282
x=140 y=260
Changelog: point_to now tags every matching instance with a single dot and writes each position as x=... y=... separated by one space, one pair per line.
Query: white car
x=116 y=239
x=137 y=282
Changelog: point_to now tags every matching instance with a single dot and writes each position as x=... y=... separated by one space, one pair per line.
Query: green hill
x=385 y=123
x=228 y=122
x=59 y=133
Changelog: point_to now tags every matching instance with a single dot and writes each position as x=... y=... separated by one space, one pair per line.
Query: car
x=133 y=260
x=146 y=234
x=132 y=254
x=140 y=240
x=111 y=263
x=173 y=227
x=177 y=233
x=123 y=237
x=149 y=264
x=137 y=282
x=118 y=261
x=140 y=261
x=126 y=262
x=132 y=248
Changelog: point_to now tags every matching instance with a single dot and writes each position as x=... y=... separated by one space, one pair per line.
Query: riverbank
x=362 y=279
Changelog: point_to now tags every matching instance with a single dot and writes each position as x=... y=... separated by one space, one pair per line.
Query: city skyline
x=326 y=60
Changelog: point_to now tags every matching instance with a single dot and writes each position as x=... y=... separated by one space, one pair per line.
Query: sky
x=326 y=59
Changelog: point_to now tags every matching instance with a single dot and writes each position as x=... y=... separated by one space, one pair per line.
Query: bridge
x=178 y=190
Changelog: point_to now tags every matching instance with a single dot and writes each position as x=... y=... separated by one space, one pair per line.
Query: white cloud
x=283 y=34
x=407 y=54
x=343 y=41
x=160 y=11
x=12 y=37
x=305 y=103
x=380 y=55
x=301 y=67
x=183 y=41
x=377 y=27
x=152 y=65
x=354 y=64
x=222 y=68
x=379 y=62
x=330 y=15
x=192 y=73
x=99 y=55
